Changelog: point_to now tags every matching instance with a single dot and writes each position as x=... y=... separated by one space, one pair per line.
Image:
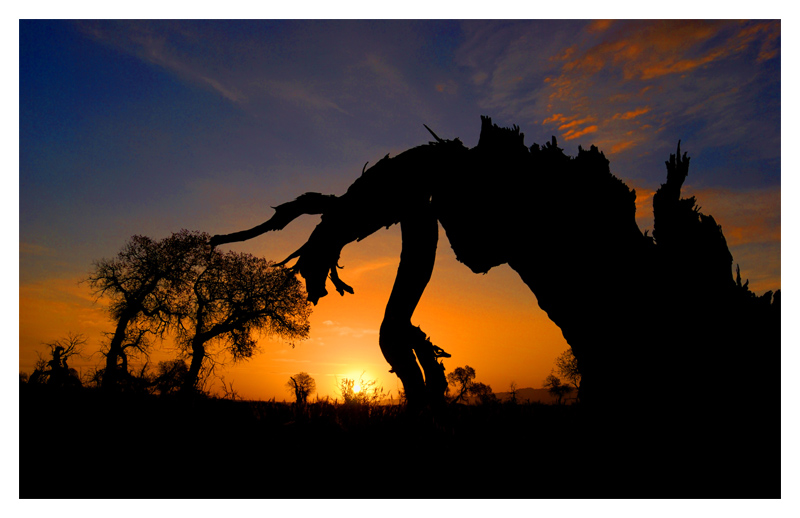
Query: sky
x=149 y=127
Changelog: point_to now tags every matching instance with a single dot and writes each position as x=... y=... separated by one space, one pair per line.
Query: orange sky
x=490 y=322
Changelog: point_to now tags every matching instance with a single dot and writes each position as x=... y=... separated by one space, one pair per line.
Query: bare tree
x=512 y=390
x=56 y=371
x=302 y=385
x=234 y=298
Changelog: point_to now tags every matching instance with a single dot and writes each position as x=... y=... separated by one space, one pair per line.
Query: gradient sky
x=148 y=127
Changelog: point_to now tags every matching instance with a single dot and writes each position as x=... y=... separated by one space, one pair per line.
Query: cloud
x=351 y=332
x=573 y=134
x=747 y=216
x=31 y=249
x=174 y=48
x=626 y=79
x=295 y=91
x=632 y=114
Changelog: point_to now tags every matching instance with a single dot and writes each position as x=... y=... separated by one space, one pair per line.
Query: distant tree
x=302 y=385
x=234 y=298
x=553 y=385
x=567 y=368
x=512 y=390
x=56 y=371
x=461 y=378
x=483 y=392
x=142 y=283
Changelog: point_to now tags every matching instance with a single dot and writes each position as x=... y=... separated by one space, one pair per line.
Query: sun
x=356 y=388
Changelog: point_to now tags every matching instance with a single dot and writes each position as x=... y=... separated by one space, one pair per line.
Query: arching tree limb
x=308 y=203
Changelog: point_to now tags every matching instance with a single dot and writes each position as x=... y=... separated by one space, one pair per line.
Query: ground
x=84 y=444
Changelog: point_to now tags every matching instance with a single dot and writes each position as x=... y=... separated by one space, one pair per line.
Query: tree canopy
x=183 y=286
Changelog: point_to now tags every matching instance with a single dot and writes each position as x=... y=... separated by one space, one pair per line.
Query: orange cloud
x=654 y=49
x=575 y=134
x=575 y=123
x=599 y=25
x=632 y=114
x=622 y=146
x=556 y=117
x=644 y=202
x=672 y=66
x=639 y=51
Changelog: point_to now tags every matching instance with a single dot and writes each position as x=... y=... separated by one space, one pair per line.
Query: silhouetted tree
x=461 y=378
x=142 y=283
x=56 y=371
x=302 y=385
x=567 y=368
x=483 y=392
x=234 y=298
x=553 y=385
x=512 y=390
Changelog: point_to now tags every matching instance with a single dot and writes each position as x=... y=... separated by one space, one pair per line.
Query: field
x=86 y=444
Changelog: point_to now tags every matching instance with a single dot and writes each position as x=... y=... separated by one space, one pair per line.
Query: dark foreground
x=85 y=444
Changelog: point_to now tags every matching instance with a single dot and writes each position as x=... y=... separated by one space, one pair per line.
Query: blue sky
x=147 y=127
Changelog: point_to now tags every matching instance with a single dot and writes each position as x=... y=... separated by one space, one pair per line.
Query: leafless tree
x=56 y=371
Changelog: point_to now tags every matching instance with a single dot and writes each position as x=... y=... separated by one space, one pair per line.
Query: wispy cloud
x=296 y=91
x=747 y=217
x=628 y=63
x=163 y=47
x=31 y=249
x=337 y=329
x=620 y=83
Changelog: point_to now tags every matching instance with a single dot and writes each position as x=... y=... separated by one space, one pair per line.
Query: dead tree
x=665 y=306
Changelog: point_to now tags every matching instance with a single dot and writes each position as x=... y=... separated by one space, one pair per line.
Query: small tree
x=567 y=368
x=461 y=378
x=553 y=385
x=483 y=392
x=512 y=390
x=302 y=385
x=56 y=371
